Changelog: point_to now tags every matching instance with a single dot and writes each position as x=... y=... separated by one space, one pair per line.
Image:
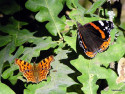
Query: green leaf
x=78 y=13
x=9 y=72
x=4 y=89
x=69 y=40
x=31 y=88
x=5 y=54
x=9 y=7
x=43 y=43
x=96 y=5
x=4 y=40
x=9 y=29
x=19 y=51
x=13 y=79
x=88 y=79
x=20 y=36
x=48 y=11
x=13 y=26
x=114 y=88
x=75 y=4
x=69 y=4
x=122 y=25
x=91 y=72
x=23 y=36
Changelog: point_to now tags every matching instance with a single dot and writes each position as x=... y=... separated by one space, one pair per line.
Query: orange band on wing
x=90 y=54
x=97 y=28
x=105 y=45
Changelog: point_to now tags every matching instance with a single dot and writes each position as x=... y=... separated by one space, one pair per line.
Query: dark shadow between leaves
x=103 y=85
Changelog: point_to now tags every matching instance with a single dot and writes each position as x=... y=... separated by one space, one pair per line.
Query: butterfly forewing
x=27 y=69
x=23 y=65
x=44 y=67
x=86 y=39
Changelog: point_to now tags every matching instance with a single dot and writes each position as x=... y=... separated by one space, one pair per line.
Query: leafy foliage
x=5 y=89
x=70 y=69
x=48 y=11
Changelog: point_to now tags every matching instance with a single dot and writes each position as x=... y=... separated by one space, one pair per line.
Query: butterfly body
x=94 y=36
x=35 y=73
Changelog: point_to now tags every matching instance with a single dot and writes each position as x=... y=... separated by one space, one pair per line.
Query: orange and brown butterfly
x=35 y=73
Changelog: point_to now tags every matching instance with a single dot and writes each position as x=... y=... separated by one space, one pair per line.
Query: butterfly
x=35 y=73
x=94 y=37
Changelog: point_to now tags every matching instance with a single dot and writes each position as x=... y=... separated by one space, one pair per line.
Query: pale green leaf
x=48 y=10
x=88 y=79
x=91 y=72
x=70 y=40
x=95 y=5
x=43 y=43
x=5 y=54
x=6 y=57
x=31 y=88
x=4 y=40
x=4 y=89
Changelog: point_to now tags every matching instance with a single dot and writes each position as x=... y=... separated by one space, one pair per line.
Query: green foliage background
x=74 y=73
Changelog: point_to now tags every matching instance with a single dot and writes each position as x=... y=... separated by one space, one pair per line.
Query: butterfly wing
x=87 y=40
x=43 y=67
x=27 y=70
x=104 y=27
x=94 y=37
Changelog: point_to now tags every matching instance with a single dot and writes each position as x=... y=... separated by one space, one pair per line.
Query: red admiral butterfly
x=94 y=36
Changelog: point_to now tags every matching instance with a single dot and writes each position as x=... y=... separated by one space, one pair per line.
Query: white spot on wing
x=102 y=24
x=106 y=28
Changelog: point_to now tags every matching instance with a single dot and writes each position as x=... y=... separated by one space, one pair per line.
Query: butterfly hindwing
x=29 y=74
